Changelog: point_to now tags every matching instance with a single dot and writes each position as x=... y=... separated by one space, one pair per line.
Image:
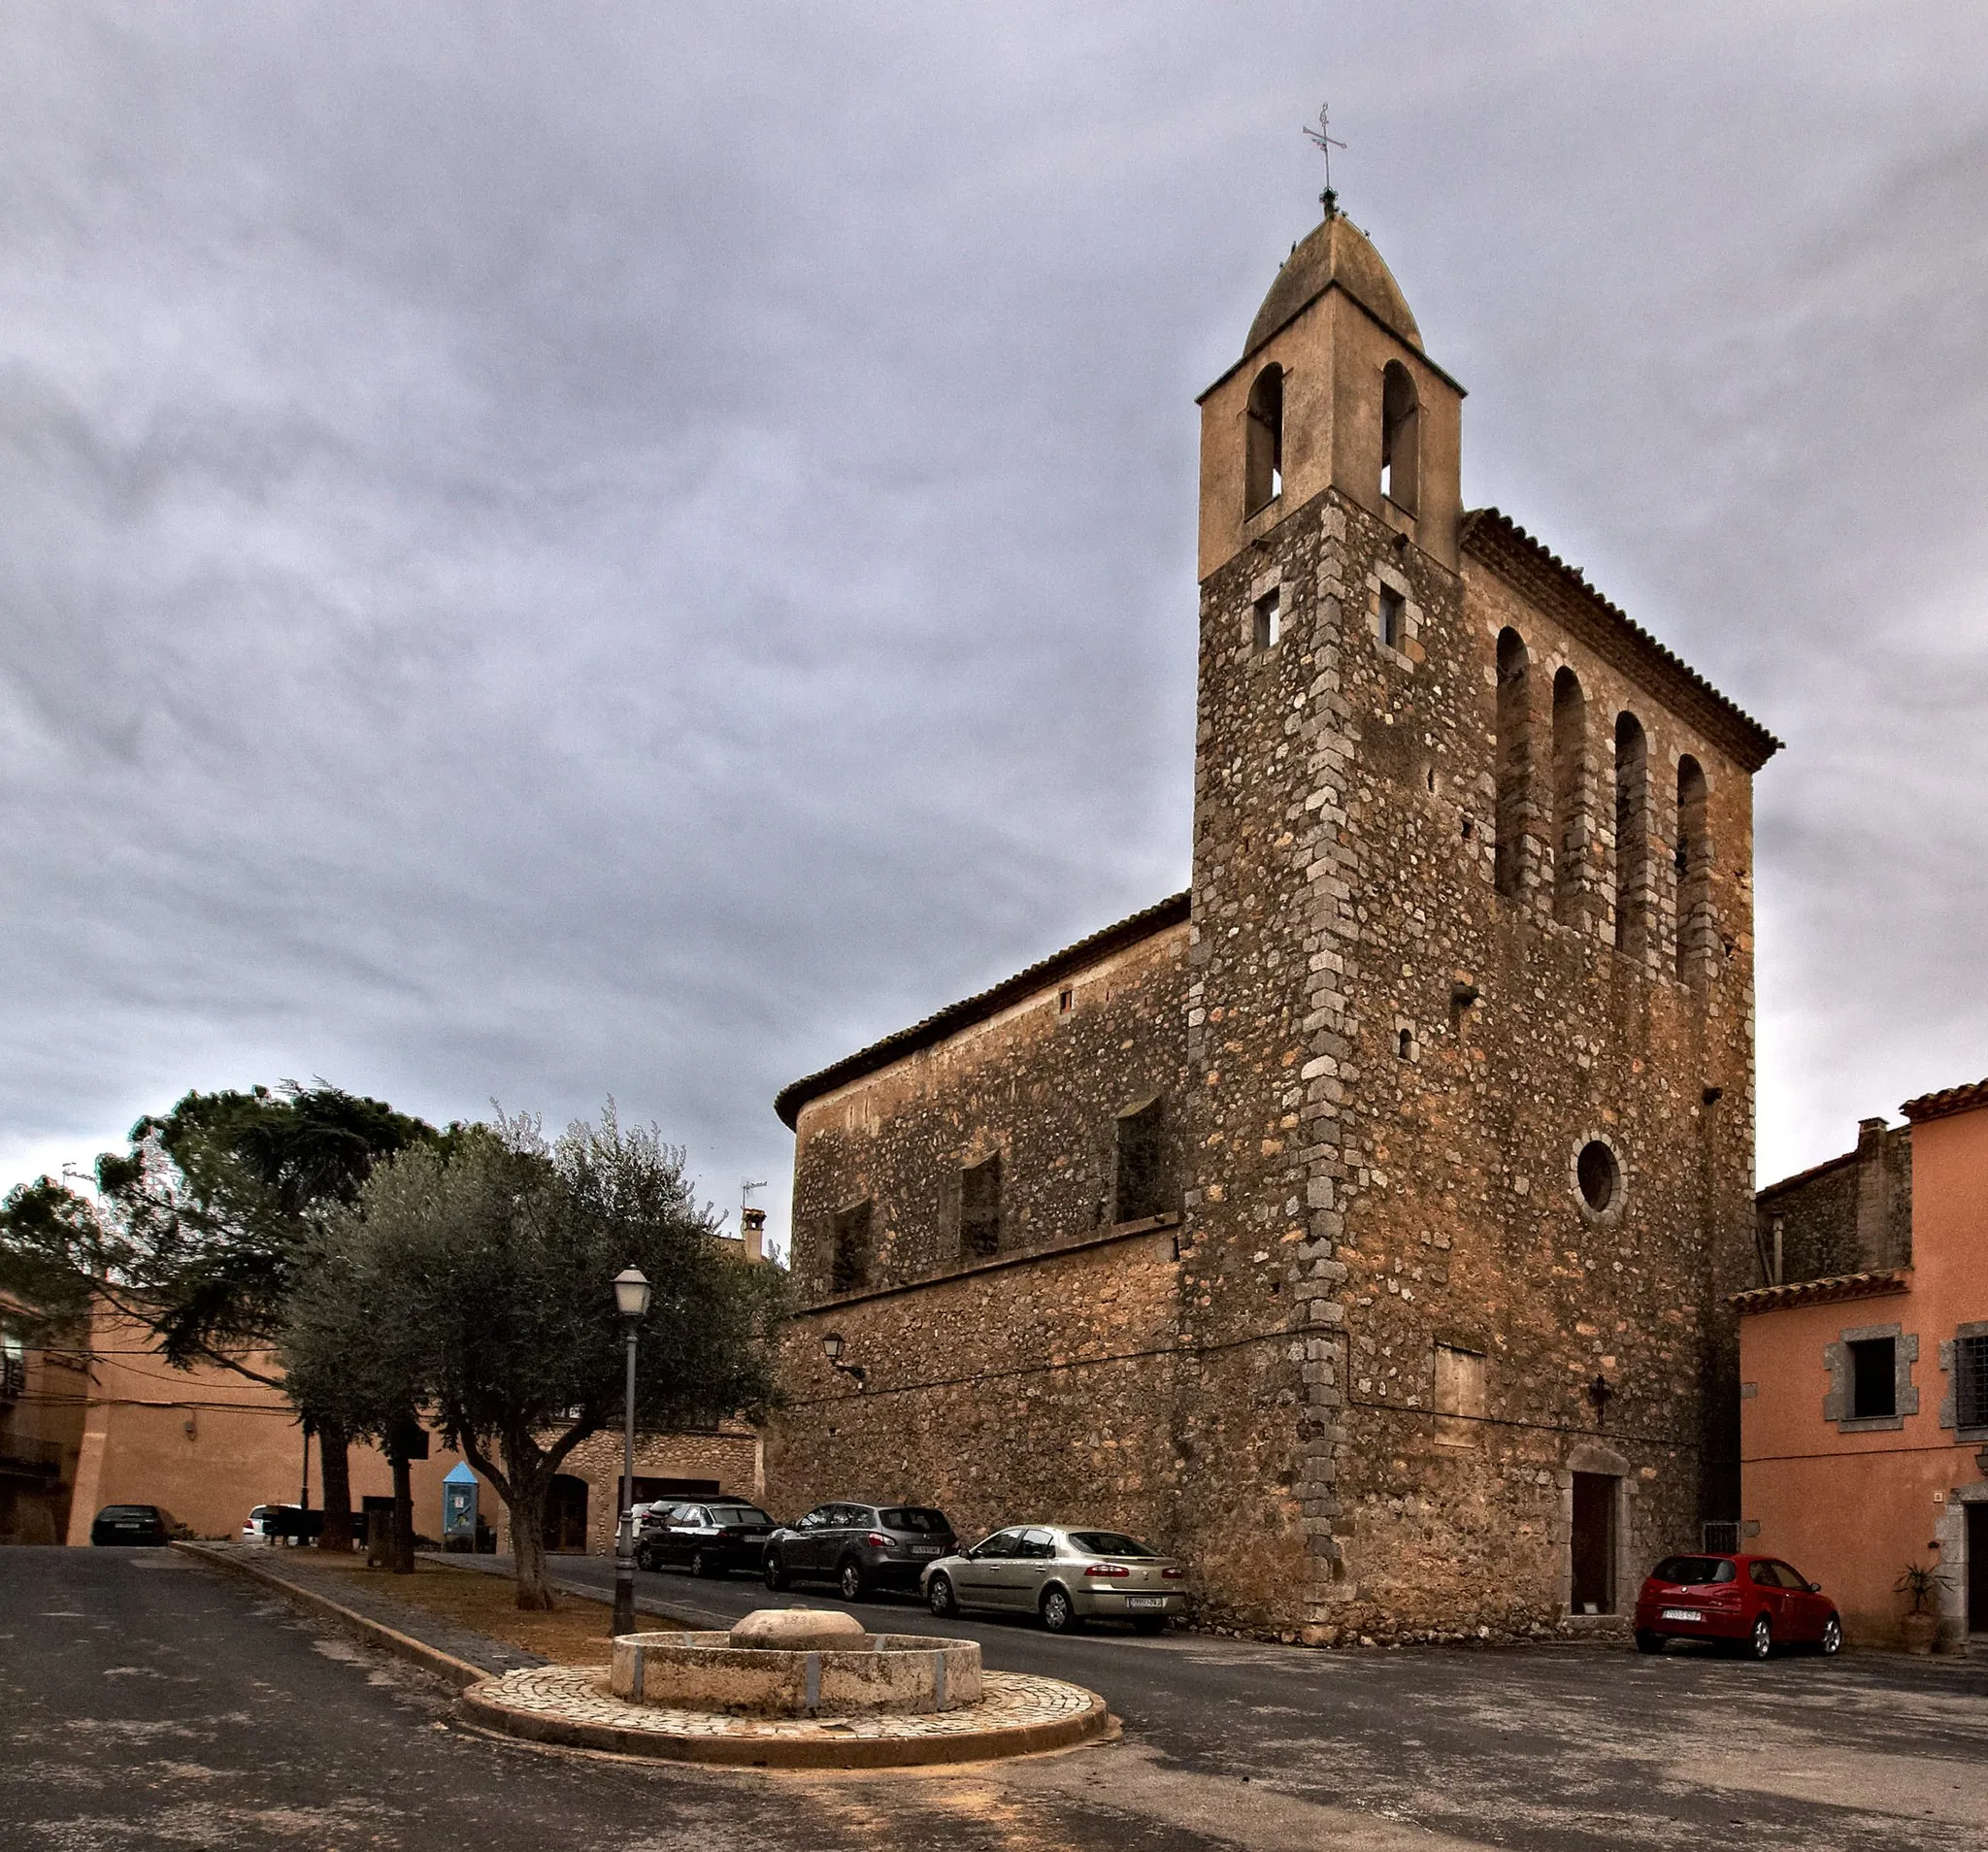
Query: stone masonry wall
x=1029 y=1390
x=1852 y=1215
x=1411 y=1193
x=1267 y=1038
x=1038 y=1083
x=1494 y=1038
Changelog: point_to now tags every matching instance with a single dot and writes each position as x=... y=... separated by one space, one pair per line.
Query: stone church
x=1358 y=1224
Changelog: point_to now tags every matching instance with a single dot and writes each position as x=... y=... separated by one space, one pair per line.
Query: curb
x=744 y=1752
x=459 y=1672
x=581 y=1592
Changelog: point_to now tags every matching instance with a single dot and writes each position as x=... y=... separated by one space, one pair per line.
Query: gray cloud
x=627 y=549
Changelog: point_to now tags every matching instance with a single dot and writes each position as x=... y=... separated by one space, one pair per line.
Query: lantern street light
x=832 y=1349
x=631 y=1301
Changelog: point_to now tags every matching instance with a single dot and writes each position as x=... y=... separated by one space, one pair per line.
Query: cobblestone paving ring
x=1017 y=1715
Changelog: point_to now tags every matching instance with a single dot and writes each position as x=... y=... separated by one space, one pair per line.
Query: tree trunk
x=332 y=1446
x=402 y=1561
x=528 y=1487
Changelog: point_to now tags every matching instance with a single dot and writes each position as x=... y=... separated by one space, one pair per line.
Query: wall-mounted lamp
x=832 y=1349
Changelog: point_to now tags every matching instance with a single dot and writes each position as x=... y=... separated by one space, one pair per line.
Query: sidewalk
x=364 y=1595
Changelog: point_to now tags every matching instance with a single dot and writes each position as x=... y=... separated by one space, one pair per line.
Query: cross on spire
x=1325 y=141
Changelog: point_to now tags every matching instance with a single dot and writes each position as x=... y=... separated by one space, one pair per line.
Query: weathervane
x=1323 y=139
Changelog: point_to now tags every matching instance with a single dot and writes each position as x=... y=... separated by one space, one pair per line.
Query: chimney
x=753 y=1226
x=1873 y=1198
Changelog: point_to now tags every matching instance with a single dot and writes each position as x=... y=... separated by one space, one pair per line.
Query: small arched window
x=1263 y=462
x=1569 y=795
x=1632 y=835
x=1398 y=436
x=1515 y=761
x=1694 y=871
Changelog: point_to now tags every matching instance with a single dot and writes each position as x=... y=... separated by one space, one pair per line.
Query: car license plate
x=1146 y=1601
x=1681 y=1614
x=924 y=1549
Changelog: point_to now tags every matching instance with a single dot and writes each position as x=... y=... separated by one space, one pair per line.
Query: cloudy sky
x=559 y=551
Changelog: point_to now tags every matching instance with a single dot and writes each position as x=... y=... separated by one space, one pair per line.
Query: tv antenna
x=1325 y=141
x=746 y=1188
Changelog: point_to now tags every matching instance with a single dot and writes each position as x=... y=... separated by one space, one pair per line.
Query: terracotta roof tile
x=1820 y=1292
x=1503 y=544
x=1936 y=1105
x=791 y=1097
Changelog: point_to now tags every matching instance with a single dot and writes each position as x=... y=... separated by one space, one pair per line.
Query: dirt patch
x=576 y=1633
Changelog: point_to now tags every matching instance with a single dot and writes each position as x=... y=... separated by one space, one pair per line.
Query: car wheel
x=939 y=1598
x=1649 y=1643
x=646 y=1560
x=850 y=1580
x=1761 y=1644
x=776 y=1574
x=1832 y=1641
x=705 y=1564
x=1149 y=1624
x=1058 y=1615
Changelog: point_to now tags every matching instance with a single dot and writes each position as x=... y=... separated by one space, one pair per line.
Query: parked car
x=858 y=1547
x=263 y=1525
x=1757 y=1600
x=144 y=1524
x=710 y=1539
x=1061 y=1574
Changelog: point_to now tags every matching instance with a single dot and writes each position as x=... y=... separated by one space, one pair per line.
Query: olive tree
x=497 y=1256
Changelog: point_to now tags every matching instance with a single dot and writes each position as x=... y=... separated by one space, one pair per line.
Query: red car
x=1757 y=1599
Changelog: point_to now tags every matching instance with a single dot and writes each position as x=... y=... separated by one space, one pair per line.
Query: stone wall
x=1399 y=1065
x=729 y=1457
x=1850 y=1216
x=1040 y=1083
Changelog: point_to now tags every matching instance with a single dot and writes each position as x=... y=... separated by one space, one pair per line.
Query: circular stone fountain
x=797 y=1661
x=793 y=1687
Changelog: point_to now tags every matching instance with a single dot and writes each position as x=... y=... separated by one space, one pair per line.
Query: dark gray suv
x=858 y=1547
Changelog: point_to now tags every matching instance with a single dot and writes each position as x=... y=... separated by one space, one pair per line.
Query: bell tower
x=1331 y=522
x=1333 y=391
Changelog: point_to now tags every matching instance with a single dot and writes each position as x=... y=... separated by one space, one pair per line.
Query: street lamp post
x=631 y=1301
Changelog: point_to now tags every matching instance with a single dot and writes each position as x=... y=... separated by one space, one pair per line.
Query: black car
x=128 y=1523
x=859 y=1547
x=712 y=1537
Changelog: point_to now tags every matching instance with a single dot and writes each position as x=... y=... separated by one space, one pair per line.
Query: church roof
x=1563 y=593
x=1337 y=252
x=791 y=1097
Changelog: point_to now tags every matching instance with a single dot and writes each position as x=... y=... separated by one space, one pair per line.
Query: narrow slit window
x=1268 y=621
x=1695 y=935
x=1393 y=621
x=1632 y=835
x=1514 y=760
x=1570 y=796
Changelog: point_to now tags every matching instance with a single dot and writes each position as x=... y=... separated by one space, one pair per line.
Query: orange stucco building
x=1863 y=1393
x=210 y=1444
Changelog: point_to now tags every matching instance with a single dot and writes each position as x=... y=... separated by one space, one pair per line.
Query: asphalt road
x=147 y=1701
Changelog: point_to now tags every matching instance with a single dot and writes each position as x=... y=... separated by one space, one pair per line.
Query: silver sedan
x=1066 y=1574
